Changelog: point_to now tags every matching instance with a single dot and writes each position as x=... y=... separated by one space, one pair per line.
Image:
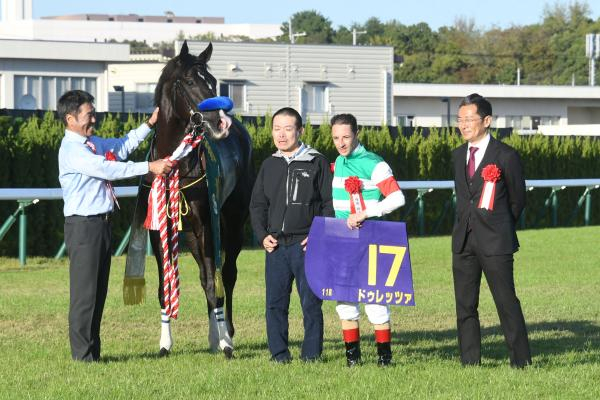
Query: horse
x=184 y=82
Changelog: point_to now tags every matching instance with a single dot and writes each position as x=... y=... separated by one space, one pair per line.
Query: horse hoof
x=228 y=351
x=164 y=352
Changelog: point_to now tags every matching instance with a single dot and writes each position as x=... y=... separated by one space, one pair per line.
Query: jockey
x=363 y=187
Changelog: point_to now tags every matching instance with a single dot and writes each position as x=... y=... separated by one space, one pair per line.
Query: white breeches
x=377 y=313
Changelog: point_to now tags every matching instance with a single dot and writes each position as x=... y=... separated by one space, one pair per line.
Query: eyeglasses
x=467 y=121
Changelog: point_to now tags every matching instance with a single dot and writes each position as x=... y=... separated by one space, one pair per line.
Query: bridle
x=197 y=122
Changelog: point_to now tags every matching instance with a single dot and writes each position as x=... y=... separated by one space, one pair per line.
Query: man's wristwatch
x=150 y=125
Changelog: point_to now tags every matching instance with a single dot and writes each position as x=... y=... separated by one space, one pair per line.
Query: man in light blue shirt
x=85 y=172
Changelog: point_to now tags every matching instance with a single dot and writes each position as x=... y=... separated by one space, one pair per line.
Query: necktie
x=471 y=163
x=109 y=186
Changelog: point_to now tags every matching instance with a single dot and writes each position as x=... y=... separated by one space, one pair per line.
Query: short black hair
x=484 y=108
x=70 y=102
x=290 y=112
x=345 y=119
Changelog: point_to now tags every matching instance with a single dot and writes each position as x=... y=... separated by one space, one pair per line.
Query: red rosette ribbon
x=490 y=174
x=110 y=156
x=353 y=186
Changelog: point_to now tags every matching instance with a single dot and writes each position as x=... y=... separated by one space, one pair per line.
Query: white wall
x=356 y=77
x=57 y=59
x=15 y=10
x=423 y=101
x=151 y=32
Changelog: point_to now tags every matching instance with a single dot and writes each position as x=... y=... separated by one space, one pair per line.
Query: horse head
x=185 y=81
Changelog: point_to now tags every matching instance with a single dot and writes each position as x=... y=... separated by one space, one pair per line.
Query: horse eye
x=190 y=82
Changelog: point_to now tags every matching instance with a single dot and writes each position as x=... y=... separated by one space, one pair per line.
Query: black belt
x=288 y=238
x=104 y=216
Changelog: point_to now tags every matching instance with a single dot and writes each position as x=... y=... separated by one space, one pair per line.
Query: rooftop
x=169 y=17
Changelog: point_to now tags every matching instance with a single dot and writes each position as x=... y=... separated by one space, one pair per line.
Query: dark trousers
x=282 y=265
x=88 y=244
x=467 y=268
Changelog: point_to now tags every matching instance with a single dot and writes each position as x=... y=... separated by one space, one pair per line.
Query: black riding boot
x=353 y=353
x=384 y=353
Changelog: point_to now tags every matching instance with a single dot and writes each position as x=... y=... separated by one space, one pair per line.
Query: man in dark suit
x=490 y=196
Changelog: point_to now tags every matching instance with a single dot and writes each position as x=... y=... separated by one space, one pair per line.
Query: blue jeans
x=282 y=265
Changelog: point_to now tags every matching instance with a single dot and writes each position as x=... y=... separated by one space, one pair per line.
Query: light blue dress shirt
x=83 y=174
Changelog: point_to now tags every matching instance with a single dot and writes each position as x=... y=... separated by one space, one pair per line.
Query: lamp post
x=119 y=88
x=355 y=34
x=293 y=35
x=592 y=51
x=447 y=101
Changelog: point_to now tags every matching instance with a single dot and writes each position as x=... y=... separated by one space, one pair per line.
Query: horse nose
x=224 y=122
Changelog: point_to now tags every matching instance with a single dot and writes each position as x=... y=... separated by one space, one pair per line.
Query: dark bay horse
x=184 y=82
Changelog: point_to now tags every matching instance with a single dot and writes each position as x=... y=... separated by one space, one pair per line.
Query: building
x=18 y=23
x=317 y=80
x=521 y=107
x=35 y=73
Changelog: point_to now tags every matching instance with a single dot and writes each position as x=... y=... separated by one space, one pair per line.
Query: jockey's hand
x=356 y=220
x=269 y=243
x=159 y=167
x=153 y=118
x=303 y=243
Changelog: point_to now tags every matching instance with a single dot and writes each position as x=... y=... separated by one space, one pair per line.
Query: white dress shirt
x=83 y=174
x=481 y=146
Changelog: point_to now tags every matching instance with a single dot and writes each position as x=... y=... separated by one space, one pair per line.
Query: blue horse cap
x=216 y=103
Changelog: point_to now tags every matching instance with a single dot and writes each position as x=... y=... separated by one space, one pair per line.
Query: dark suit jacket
x=495 y=229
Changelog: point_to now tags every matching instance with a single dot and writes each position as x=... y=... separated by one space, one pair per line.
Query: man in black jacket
x=490 y=196
x=292 y=187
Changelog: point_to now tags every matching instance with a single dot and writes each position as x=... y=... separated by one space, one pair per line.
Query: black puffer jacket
x=286 y=197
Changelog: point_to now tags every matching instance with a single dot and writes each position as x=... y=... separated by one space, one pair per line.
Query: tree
x=343 y=36
x=318 y=28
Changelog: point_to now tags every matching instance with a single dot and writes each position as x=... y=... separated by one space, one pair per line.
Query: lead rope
x=157 y=219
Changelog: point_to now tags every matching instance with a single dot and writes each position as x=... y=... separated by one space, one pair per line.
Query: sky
x=436 y=13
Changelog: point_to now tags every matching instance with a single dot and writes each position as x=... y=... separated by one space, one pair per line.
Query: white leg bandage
x=166 y=341
x=218 y=335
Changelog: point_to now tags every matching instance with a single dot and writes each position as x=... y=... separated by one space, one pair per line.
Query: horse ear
x=204 y=57
x=184 y=49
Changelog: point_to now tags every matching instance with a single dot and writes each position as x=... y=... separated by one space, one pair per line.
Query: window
x=526 y=122
x=549 y=120
x=43 y=92
x=514 y=121
x=144 y=97
x=405 y=120
x=449 y=123
x=315 y=95
x=236 y=92
x=48 y=93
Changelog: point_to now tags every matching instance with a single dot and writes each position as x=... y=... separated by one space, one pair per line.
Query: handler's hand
x=269 y=243
x=355 y=220
x=153 y=118
x=159 y=167
x=303 y=243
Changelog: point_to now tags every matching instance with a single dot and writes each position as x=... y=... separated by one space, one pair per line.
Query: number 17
x=397 y=251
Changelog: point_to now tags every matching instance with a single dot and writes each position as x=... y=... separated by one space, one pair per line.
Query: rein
x=160 y=214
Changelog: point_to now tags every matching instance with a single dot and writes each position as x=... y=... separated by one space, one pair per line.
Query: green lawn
x=557 y=277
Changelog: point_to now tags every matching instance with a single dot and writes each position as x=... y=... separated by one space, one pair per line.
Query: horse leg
x=200 y=246
x=233 y=246
x=166 y=340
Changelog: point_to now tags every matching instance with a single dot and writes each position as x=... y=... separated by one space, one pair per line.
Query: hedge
x=29 y=148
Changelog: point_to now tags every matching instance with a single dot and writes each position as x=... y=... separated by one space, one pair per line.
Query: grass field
x=558 y=282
